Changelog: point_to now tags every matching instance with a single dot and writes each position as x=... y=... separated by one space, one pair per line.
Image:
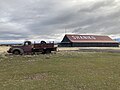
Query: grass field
x=61 y=71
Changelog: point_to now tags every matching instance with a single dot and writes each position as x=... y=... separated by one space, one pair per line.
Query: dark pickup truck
x=29 y=48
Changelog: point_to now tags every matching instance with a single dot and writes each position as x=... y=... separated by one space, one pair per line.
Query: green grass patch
x=61 y=71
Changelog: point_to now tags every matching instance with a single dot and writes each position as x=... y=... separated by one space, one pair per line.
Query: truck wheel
x=43 y=52
x=16 y=52
x=48 y=51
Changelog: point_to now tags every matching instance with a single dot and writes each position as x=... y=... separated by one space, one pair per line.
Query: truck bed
x=48 y=45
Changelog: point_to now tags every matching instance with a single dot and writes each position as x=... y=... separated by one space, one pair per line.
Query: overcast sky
x=50 y=19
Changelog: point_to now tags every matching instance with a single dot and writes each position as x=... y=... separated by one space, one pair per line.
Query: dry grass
x=3 y=49
x=90 y=49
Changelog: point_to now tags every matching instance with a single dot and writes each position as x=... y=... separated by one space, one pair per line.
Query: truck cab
x=21 y=49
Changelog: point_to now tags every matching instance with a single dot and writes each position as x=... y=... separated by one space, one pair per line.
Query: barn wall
x=89 y=45
x=65 y=45
x=95 y=44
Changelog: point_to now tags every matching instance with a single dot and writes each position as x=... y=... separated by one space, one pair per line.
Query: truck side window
x=27 y=43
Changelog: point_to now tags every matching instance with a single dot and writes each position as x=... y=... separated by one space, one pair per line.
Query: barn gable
x=65 y=39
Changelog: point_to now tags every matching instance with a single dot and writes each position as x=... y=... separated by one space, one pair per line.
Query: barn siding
x=95 y=45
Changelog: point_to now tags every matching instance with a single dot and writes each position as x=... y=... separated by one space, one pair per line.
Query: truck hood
x=16 y=46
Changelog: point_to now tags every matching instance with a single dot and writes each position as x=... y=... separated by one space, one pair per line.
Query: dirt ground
x=91 y=49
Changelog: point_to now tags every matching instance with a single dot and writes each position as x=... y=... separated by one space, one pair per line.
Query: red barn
x=70 y=40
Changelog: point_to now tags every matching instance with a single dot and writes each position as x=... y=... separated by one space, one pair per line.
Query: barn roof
x=87 y=38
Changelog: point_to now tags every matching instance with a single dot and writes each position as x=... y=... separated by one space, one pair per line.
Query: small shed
x=70 y=40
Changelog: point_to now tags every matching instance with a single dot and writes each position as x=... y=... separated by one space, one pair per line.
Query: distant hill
x=117 y=39
x=9 y=44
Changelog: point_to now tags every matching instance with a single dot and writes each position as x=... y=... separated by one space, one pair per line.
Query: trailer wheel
x=16 y=52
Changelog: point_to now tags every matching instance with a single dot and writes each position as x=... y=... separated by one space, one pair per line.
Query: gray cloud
x=44 y=19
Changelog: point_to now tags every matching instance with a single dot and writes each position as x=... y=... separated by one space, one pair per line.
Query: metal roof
x=87 y=38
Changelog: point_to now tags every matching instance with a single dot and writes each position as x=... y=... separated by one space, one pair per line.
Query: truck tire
x=48 y=51
x=16 y=52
